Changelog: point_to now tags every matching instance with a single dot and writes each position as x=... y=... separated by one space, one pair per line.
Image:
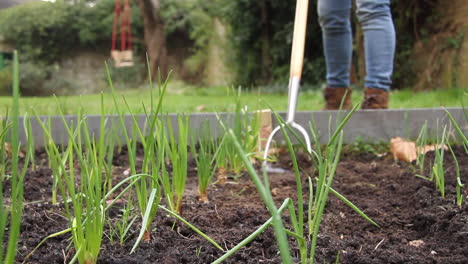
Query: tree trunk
x=459 y=17
x=155 y=39
x=216 y=71
x=442 y=60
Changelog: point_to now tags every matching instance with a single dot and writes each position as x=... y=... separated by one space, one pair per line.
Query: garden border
x=366 y=125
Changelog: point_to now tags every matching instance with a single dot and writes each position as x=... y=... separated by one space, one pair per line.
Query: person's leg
x=334 y=18
x=379 y=44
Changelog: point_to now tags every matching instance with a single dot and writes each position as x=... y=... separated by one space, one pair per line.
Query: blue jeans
x=379 y=41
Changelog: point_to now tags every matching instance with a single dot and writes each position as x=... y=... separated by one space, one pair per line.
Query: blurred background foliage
x=46 y=32
x=257 y=47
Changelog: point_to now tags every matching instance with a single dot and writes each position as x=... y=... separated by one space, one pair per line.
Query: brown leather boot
x=334 y=96
x=375 y=99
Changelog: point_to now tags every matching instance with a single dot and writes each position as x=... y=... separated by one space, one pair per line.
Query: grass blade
x=354 y=207
x=198 y=231
x=252 y=236
x=17 y=179
x=457 y=127
x=145 y=219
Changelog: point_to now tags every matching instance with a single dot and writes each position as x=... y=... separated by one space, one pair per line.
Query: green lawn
x=219 y=100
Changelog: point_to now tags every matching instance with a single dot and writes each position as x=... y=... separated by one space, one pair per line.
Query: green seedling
x=29 y=142
x=361 y=146
x=52 y=164
x=252 y=236
x=87 y=218
x=438 y=172
x=246 y=128
x=458 y=129
x=458 y=184
x=4 y=210
x=56 y=160
x=222 y=160
x=198 y=251
x=131 y=180
x=178 y=155
x=326 y=163
x=265 y=193
x=152 y=165
x=121 y=227
x=338 y=256
x=4 y=125
x=110 y=147
x=154 y=152
x=205 y=158
x=14 y=209
x=87 y=215
x=421 y=141
x=195 y=229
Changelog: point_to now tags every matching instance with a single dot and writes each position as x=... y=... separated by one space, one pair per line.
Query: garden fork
x=297 y=60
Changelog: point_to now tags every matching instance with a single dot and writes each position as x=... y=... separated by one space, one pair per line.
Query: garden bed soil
x=407 y=208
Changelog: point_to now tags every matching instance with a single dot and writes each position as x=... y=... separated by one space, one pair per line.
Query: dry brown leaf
x=425 y=149
x=275 y=191
x=416 y=243
x=9 y=151
x=406 y=150
x=402 y=149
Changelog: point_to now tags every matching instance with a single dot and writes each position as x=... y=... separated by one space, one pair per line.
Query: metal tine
x=270 y=140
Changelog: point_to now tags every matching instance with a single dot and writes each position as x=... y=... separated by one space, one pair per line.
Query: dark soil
x=406 y=207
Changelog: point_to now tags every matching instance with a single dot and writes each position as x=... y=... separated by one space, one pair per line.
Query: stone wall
x=86 y=69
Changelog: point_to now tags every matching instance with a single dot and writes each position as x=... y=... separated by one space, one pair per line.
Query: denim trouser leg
x=334 y=18
x=379 y=41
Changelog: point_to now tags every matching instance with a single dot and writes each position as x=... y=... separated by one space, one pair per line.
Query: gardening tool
x=297 y=59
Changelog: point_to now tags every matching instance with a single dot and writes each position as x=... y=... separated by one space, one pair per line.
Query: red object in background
x=124 y=57
x=122 y=16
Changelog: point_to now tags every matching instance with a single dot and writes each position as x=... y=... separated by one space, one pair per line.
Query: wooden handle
x=300 y=25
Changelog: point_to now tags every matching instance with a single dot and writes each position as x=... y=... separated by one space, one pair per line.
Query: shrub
x=261 y=35
x=40 y=30
x=42 y=80
x=5 y=81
